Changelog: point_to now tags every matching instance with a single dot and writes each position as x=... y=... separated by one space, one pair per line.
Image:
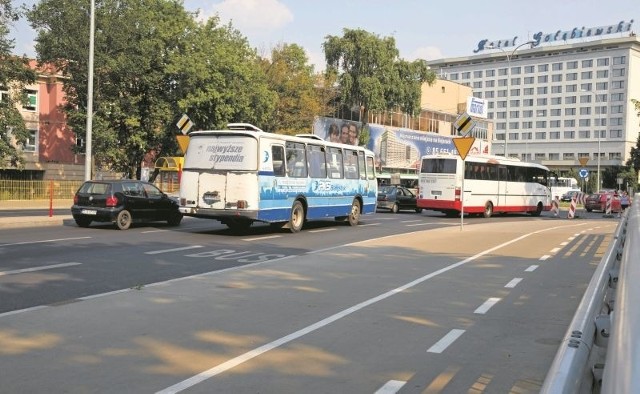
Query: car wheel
x=395 y=208
x=419 y=210
x=488 y=209
x=82 y=222
x=354 y=216
x=175 y=218
x=123 y=220
x=296 y=220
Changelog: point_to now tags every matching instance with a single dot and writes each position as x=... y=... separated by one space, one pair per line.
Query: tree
x=634 y=156
x=292 y=79
x=371 y=76
x=15 y=73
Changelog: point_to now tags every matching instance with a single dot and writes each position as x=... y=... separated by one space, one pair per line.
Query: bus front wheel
x=296 y=219
x=488 y=209
x=538 y=210
x=354 y=216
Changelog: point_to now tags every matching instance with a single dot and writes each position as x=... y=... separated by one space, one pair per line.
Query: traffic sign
x=184 y=124
x=463 y=145
x=583 y=161
x=183 y=143
x=583 y=173
x=464 y=123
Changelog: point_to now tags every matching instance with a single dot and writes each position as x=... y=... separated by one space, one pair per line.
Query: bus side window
x=277 y=154
x=334 y=159
x=351 y=164
x=371 y=168
x=361 y=165
x=317 y=162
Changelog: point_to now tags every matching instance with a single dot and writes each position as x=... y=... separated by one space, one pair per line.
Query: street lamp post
x=595 y=100
x=88 y=153
x=509 y=56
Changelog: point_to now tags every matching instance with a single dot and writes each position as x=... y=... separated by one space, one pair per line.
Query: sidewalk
x=35 y=221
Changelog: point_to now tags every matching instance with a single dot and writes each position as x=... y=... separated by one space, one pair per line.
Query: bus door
x=503 y=177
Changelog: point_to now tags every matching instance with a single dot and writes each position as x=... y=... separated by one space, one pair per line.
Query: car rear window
x=95 y=188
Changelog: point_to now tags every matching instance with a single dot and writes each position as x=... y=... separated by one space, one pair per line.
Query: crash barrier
x=600 y=352
x=572 y=209
x=555 y=206
x=607 y=207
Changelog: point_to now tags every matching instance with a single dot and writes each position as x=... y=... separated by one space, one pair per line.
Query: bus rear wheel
x=488 y=209
x=538 y=210
x=354 y=216
x=296 y=220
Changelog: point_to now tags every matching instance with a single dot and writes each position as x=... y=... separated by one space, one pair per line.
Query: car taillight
x=75 y=199
x=112 y=201
x=457 y=194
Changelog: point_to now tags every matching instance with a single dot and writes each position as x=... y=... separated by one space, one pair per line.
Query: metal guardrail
x=600 y=351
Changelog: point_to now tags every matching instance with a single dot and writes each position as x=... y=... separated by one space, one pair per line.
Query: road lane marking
x=44 y=241
x=564 y=243
x=428 y=224
x=484 y=308
x=409 y=221
x=44 y=267
x=18 y=311
x=370 y=224
x=555 y=250
x=153 y=231
x=513 y=283
x=174 y=249
x=531 y=268
x=546 y=256
x=446 y=341
x=322 y=230
x=391 y=387
x=234 y=362
x=261 y=238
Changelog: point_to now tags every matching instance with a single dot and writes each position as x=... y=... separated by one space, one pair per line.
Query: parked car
x=569 y=195
x=598 y=202
x=123 y=202
x=396 y=198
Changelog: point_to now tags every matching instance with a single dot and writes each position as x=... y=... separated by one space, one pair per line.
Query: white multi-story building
x=555 y=104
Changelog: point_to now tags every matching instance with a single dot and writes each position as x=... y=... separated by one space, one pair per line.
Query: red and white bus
x=491 y=184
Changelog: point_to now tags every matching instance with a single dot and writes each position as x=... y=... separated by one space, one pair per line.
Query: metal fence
x=600 y=352
x=37 y=190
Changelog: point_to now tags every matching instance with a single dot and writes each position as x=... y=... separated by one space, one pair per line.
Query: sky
x=422 y=29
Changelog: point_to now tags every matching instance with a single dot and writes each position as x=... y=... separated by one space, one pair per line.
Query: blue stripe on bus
x=318 y=212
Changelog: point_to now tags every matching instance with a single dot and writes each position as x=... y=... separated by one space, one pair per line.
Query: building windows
x=513 y=126
x=602 y=85
x=466 y=75
x=542 y=101
x=587 y=63
x=477 y=84
x=584 y=122
x=585 y=110
x=527 y=125
x=541 y=124
x=568 y=156
x=477 y=95
x=529 y=80
x=603 y=61
x=514 y=114
x=554 y=135
x=527 y=135
x=513 y=136
x=586 y=75
x=502 y=104
x=453 y=76
x=616 y=109
x=488 y=94
x=602 y=74
x=616 y=133
x=571 y=88
x=477 y=74
x=556 y=78
x=529 y=69
x=555 y=112
x=569 y=123
x=572 y=65
x=617 y=96
x=502 y=93
x=515 y=81
x=502 y=82
x=556 y=66
x=541 y=113
x=527 y=113
x=556 y=89
x=540 y=156
x=502 y=72
x=584 y=134
x=543 y=68
x=490 y=73
x=515 y=92
x=581 y=155
x=556 y=100
x=619 y=60
x=617 y=85
x=570 y=100
x=542 y=90
x=527 y=103
x=543 y=78
x=554 y=124
x=616 y=122
x=572 y=77
x=541 y=135
x=615 y=156
x=585 y=87
x=516 y=70
x=585 y=98
x=569 y=134
x=554 y=156
x=528 y=91
x=30 y=144
x=490 y=84
x=32 y=100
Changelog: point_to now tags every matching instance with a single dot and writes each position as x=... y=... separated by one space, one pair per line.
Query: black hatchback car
x=123 y=202
x=396 y=198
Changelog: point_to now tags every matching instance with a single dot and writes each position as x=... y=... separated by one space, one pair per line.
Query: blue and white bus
x=243 y=175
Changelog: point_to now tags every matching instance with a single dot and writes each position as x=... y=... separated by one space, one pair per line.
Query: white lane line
x=546 y=256
x=409 y=221
x=484 y=308
x=153 y=231
x=555 y=250
x=33 y=308
x=322 y=230
x=571 y=238
x=422 y=224
x=174 y=249
x=44 y=241
x=370 y=224
x=531 y=268
x=231 y=363
x=513 y=283
x=261 y=238
x=447 y=340
x=391 y=387
x=44 y=267
x=564 y=243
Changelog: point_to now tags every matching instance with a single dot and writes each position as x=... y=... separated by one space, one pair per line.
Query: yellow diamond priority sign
x=463 y=145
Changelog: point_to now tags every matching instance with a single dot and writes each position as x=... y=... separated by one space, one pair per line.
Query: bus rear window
x=438 y=166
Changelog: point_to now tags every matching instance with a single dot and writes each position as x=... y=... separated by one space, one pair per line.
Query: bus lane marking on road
x=44 y=267
x=555 y=250
x=513 y=283
x=322 y=230
x=531 y=268
x=391 y=387
x=174 y=249
x=251 y=354
x=261 y=238
x=544 y=257
x=564 y=243
x=44 y=241
x=446 y=341
x=484 y=308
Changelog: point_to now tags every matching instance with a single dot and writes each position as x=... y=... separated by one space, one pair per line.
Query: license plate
x=89 y=212
x=436 y=192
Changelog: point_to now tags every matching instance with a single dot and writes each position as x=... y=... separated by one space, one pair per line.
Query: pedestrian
x=624 y=201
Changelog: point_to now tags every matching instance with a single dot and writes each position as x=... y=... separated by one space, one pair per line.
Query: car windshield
x=387 y=189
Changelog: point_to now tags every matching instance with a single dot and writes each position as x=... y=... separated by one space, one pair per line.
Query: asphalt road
x=409 y=302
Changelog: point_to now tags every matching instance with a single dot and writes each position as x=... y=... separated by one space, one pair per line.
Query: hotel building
x=557 y=102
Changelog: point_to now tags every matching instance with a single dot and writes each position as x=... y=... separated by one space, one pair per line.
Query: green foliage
x=370 y=74
x=14 y=75
x=634 y=156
